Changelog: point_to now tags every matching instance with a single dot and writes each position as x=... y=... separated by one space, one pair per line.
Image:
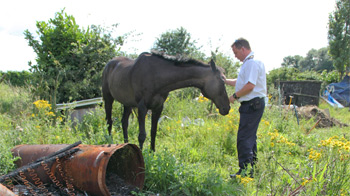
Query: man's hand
x=232 y=99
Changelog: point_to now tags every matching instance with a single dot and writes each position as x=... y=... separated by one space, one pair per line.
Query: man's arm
x=231 y=82
x=244 y=91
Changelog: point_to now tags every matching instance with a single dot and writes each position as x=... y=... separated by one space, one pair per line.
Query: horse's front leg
x=155 y=117
x=142 y=111
x=125 y=122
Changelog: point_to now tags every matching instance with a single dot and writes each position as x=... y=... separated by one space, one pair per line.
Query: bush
x=70 y=59
x=17 y=78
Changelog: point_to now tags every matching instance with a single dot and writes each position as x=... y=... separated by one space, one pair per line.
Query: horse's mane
x=178 y=60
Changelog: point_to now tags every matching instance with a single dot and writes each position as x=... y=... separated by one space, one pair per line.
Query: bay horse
x=146 y=82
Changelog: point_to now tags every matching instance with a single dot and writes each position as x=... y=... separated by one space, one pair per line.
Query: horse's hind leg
x=155 y=117
x=108 y=108
x=125 y=122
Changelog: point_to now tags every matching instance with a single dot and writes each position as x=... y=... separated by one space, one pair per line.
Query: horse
x=145 y=83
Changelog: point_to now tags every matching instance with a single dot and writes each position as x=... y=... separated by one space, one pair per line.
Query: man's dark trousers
x=250 y=116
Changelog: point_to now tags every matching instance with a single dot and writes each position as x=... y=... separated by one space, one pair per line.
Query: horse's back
x=117 y=63
x=113 y=67
x=116 y=80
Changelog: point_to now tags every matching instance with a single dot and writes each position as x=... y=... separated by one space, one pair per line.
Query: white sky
x=274 y=28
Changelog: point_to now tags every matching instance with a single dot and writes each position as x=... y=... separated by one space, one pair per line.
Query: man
x=250 y=91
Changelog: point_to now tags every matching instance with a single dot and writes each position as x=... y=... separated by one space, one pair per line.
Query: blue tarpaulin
x=341 y=91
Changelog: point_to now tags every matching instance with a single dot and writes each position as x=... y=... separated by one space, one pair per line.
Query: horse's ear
x=212 y=64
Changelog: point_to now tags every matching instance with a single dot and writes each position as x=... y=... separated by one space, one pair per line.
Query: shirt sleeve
x=252 y=71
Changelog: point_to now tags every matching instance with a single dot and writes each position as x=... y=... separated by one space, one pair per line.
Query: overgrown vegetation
x=16 y=78
x=195 y=146
x=315 y=60
x=70 y=60
x=195 y=149
x=339 y=36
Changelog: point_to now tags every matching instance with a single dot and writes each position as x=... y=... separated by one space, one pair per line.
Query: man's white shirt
x=252 y=71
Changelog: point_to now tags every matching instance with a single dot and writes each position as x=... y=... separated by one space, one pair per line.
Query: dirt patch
x=117 y=186
x=320 y=115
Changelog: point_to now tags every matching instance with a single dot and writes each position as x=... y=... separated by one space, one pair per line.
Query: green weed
x=195 y=146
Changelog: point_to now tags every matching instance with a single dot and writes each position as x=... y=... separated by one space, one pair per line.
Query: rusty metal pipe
x=87 y=169
x=4 y=191
x=37 y=163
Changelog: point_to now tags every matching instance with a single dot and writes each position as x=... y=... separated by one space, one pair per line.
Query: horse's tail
x=106 y=94
x=105 y=74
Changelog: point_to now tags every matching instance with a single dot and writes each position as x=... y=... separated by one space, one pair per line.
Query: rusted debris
x=320 y=115
x=106 y=170
x=59 y=151
x=4 y=191
x=313 y=126
x=36 y=164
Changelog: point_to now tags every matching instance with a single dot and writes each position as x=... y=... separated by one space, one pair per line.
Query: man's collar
x=250 y=56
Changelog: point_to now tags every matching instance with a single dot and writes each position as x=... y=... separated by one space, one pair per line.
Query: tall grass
x=196 y=147
x=13 y=100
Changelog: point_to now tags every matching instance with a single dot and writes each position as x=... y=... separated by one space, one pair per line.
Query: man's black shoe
x=236 y=174
x=243 y=173
x=251 y=173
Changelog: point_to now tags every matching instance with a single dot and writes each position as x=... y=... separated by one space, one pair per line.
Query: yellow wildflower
x=202 y=99
x=246 y=180
x=305 y=181
x=334 y=142
x=50 y=114
x=314 y=155
x=42 y=104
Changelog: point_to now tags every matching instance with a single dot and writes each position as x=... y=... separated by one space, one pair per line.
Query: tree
x=324 y=61
x=315 y=60
x=70 y=60
x=309 y=62
x=281 y=74
x=176 y=42
x=292 y=61
x=339 y=36
x=179 y=43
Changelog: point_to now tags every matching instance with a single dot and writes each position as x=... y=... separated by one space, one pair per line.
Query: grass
x=195 y=148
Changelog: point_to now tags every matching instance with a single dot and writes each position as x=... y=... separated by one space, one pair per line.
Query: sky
x=274 y=28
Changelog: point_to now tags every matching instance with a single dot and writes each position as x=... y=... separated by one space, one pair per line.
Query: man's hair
x=241 y=42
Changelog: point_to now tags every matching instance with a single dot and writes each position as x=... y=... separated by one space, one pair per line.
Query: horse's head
x=214 y=89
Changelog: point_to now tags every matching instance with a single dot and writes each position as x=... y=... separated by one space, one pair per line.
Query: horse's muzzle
x=224 y=111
